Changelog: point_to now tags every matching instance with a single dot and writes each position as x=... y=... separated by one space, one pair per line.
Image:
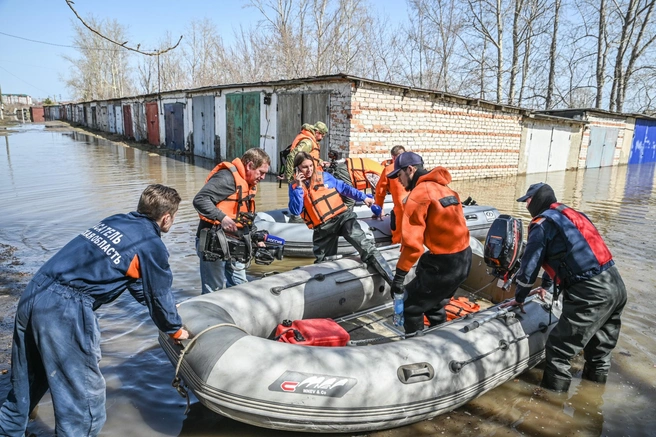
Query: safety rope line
x=177 y=383
x=456 y=366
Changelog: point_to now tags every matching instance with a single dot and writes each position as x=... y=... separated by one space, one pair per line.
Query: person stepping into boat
x=316 y=197
x=569 y=248
x=432 y=217
x=306 y=141
x=229 y=190
x=394 y=187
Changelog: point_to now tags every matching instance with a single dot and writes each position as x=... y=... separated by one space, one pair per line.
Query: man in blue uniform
x=573 y=254
x=56 y=336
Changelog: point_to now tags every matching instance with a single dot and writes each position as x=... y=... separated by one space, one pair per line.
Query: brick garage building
x=473 y=138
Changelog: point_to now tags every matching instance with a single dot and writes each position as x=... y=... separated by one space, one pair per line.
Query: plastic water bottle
x=377 y=210
x=397 y=319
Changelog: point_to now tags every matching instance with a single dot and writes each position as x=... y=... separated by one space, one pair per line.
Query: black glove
x=397 y=283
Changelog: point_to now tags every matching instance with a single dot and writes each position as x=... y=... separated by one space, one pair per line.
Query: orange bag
x=456 y=308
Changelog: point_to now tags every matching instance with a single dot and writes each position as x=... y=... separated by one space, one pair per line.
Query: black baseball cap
x=531 y=191
x=404 y=160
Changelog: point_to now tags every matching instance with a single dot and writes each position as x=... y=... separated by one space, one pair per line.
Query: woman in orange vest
x=432 y=217
x=229 y=190
x=398 y=192
x=316 y=197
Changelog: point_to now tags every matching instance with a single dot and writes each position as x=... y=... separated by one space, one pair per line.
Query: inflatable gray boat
x=377 y=380
x=298 y=237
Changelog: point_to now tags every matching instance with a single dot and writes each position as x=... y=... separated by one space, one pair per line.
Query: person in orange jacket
x=394 y=187
x=432 y=217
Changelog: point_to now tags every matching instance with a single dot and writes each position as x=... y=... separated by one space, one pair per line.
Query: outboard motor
x=503 y=248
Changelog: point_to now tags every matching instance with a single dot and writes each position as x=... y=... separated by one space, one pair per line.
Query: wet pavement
x=55 y=183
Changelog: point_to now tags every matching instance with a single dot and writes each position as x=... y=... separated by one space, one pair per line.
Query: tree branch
x=154 y=53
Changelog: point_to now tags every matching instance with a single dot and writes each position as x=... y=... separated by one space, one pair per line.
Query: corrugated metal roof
x=340 y=77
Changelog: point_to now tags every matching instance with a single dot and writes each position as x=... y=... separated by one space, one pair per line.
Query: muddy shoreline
x=13 y=279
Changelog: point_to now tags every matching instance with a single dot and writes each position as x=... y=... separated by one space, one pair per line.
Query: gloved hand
x=397 y=282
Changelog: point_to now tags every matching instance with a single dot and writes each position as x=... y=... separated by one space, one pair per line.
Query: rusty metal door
x=203 y=124
x=174 y=126
x=104 y=119
x=296 y=109
x=127 y=121
x=118 y=112
x=152 y=121
x=111 y=118
x=94 y=117
x=610 y=144
x=242 y=123
x=140 y=123
x=290 y=114
x=595 y=147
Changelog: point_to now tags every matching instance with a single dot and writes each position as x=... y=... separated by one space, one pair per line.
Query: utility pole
x=2 y=106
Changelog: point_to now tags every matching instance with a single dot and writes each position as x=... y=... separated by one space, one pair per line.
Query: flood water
x=55 y=184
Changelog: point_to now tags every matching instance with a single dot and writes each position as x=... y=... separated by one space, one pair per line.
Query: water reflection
x=54 y=185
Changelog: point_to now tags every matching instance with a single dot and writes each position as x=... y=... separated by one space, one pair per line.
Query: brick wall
x=470 y=141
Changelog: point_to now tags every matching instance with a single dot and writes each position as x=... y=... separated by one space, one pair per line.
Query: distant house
x=17 y=99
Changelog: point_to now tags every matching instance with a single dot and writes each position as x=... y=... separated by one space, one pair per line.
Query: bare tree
x=526 y=26
x=488 y=22
x=548 y=104
x=203 y=53
x=602 y=53
x=637 y=34
x=434 y=35
x=171 y=73
x=102 y=70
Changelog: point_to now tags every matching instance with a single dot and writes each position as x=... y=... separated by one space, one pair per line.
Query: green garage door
x=242 y=123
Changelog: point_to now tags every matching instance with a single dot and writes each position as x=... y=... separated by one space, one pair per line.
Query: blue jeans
x=216 y=275
x=57 y=347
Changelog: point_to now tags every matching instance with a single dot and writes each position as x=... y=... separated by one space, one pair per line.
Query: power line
x=59 y=45
x=9 y=72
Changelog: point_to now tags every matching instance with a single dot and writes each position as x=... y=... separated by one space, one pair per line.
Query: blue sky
x=38 y=69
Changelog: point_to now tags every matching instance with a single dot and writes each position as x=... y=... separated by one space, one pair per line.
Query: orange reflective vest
x=358 y=168
x=316 y=149
x=242 y=200
x=320 y=203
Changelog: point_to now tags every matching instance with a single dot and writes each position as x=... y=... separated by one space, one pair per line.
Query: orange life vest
x=242 y=200
x=358 y=168
x=320 y=203
x=456 y=308
x=316 y=149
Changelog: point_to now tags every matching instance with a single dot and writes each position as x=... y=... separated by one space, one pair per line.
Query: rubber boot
x=419 y=333
x=295 y=219
x=555 y=383
x=591 y=375
x=378 y=262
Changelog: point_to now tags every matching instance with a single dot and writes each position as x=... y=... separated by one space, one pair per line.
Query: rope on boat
x=456 y=366
x=177 y=383
x=318 y=277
